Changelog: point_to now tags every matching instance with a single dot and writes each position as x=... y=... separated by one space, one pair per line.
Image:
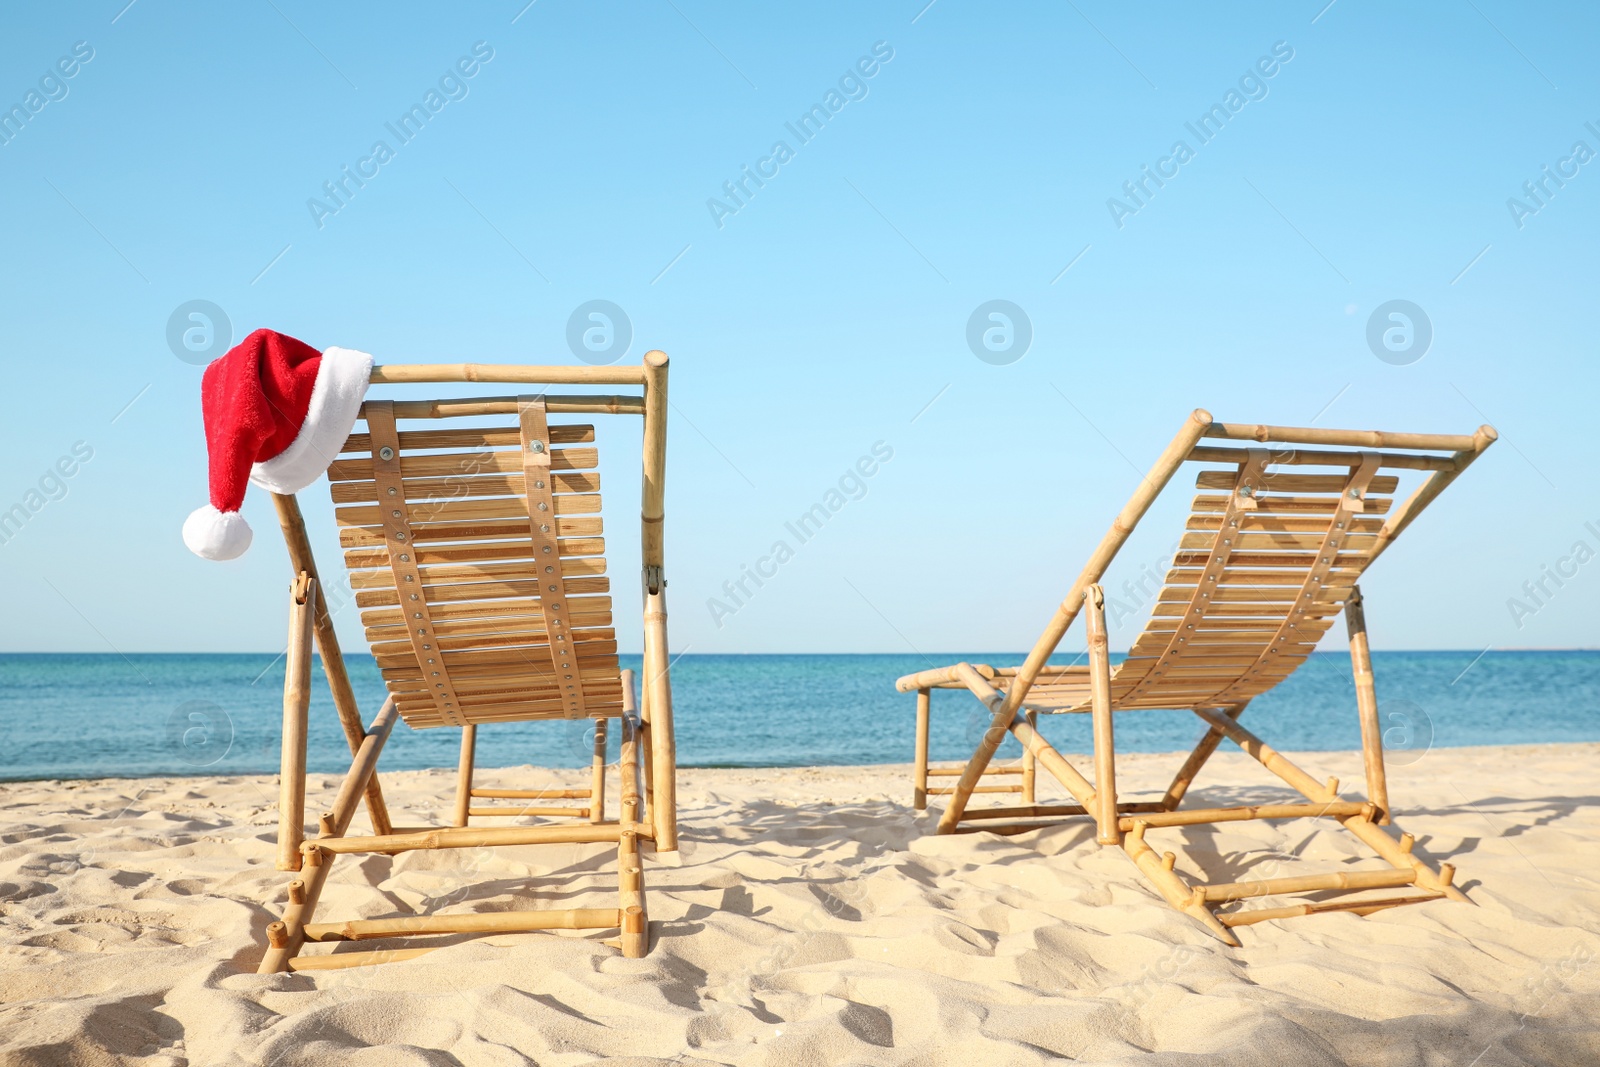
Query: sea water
x=85 y=716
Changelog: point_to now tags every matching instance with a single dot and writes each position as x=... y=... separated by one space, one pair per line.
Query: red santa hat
x=277 y=412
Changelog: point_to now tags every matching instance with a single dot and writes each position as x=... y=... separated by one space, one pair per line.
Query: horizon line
x=689 y=655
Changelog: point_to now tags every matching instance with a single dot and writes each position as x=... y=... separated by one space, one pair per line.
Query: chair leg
x=1197 y=900
x=663 y=749
x=1365 y=828
x=1197 y=759
x=647 y=799
x=296 y=705
x=298 y=543
x=1054 y=763
x=639 y=713
x=469 y=746
x=1158 y=871
x=919 y=771
x=285 y=938
x=1105 y=750
x=1030 y=762
x=1001 y=721
x=597 y=778
x=635 y=922
x=1355 y=617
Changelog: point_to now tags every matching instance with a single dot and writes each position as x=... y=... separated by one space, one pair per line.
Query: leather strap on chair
x=1351 y=502
x=398 y=538
x=547 y=553
x=1241 y=500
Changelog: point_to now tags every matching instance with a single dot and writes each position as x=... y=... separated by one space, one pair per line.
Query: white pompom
x=214 y=534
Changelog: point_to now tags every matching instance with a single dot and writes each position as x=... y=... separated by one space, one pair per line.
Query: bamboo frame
x=1026 y=770
x=652 y=510
x=1206 y=816
x=534 y=810
x=1271 y=887
x=296 y=708
x=492 y=922
x=1428 y=491
x=941 y=791
x=469 y=752
x=1365 y=906
x=1184 y=778
x=955 y=772
x=1211 y=665
x=507 y=405
x=1055 y=763
x=1105 y=749
x=943 y=678
x=1121 y=527
x=1271 y=758
x=1325 y=458
x=1310 y=435
x=286 y=936
x=1030 y=763
x=597 y=774
x=1034 y=811
x=651 y=817
x=639 y=736
x=293 y=524
x=1355 y=617
x=1362 y=826
x=657 y=683
x=919 y=779
x=1177 y=892
x=511 y=374
x=466 y=837
x=635 y=924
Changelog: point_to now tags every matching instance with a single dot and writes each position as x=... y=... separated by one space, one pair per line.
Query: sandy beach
x=812 y=920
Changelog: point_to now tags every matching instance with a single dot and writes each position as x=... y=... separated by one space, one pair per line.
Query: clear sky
x=971 y=153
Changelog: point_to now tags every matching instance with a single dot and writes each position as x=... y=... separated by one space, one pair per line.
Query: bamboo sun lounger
x=1283 y=528
x=474 y=547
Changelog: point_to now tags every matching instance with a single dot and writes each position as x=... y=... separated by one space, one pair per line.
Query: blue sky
x=829 y=314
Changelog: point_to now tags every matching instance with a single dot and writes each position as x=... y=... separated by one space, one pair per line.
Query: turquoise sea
x=80 y=716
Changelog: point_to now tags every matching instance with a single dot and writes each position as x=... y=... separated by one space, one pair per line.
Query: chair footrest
x=506 y=809
x=531 y=794
x=955 y=772
x=471 y=837
x=1032 y=811
x=939 y=791
x=1358 y=907
x=1311 y=883
x=1334 y=809
x=473 y=923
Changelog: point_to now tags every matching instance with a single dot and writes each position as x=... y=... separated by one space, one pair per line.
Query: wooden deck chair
x=472 y=531
x=1278 y=537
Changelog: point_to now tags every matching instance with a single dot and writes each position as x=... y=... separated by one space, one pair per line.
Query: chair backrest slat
x=480 y=568
x=1219 y=547
x=1264 y=567
x=1277 y=570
